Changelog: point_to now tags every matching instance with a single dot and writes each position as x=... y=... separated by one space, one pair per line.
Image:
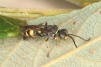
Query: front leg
x=24 y=37
x=47 y=39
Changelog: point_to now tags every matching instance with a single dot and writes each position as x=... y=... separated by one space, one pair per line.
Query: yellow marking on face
x=65 y=37
x=31 y=33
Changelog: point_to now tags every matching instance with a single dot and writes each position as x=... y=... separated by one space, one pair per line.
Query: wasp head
x=63 y=33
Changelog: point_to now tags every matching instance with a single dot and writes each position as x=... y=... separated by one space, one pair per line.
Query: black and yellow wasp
x=51 y=31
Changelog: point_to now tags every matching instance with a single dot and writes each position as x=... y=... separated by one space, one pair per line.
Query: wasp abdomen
x=28 y=33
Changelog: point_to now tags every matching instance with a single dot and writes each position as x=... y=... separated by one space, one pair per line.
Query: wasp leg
x=56 y=38
x=24 y=37
x=40 y=35
x=47 y=39
x=47 y=42
x=56 y=42
x=48 y=53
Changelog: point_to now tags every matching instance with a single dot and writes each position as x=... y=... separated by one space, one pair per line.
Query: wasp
x=51 y=31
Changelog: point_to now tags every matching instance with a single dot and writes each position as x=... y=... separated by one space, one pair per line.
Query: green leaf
x=9 y=26
x=14 y=52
